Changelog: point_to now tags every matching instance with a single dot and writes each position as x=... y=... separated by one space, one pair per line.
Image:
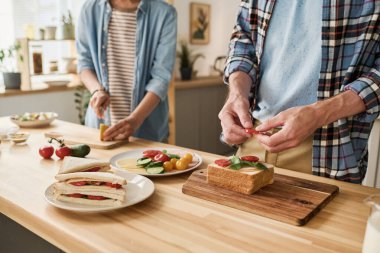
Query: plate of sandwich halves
x=88 y=185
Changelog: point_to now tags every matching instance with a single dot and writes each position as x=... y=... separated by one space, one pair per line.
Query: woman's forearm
x=90 y=80
x=145 y=107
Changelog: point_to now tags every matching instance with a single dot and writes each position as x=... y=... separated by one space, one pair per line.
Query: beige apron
x=298 y=158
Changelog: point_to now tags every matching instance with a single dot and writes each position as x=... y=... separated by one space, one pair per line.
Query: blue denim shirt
x=155 y=56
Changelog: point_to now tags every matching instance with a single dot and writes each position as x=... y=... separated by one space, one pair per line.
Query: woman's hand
x=99 y=102
x=123 y=129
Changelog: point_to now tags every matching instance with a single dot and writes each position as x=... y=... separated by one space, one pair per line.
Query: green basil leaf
x=260 y=166
x=236 y=166
x=235 y=160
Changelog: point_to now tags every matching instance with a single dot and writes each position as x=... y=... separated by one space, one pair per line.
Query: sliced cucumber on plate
x=155 y=170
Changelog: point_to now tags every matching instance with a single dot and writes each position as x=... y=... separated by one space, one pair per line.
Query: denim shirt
x=155 y=56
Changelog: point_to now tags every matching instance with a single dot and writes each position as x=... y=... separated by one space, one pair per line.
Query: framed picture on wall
x=200 y=23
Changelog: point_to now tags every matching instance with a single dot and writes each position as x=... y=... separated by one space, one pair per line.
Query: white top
x=121 y=55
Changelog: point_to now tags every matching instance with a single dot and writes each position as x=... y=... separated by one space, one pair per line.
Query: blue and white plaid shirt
x=350 y=61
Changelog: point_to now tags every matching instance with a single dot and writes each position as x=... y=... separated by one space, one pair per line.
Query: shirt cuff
x=243 y=65
x=158 y=88
x=364 y=88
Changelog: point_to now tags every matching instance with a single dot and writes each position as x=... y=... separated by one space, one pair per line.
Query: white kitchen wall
x=223 y=16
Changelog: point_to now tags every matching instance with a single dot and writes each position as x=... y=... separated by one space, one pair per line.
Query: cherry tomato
x=75 y=195
x=168 y=166
x=161 y=158
x=151 y=153
x=174 y=161
x=250 y=158
x=223 y=162
x=62 y=152
x=46 y=151
x=251 y=131
x=181 y=164
x=96 y=197
x=117 y=186
x=80 y=183
x=188 y=157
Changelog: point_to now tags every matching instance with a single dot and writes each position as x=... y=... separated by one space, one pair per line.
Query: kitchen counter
x=168 y=221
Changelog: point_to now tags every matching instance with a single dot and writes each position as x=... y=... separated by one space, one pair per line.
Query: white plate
x=137 y=153
x=137 y=189
x=35 y=123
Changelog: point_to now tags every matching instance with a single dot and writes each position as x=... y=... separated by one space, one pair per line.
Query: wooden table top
x=168 y=221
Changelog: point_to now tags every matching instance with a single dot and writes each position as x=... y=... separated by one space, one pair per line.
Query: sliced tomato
x=96 y=197
x=250 y=158
x=161 y=158
x=251 y=131
x=95 y=169
x=80 y=183
x=75 y=195
x=117 y=186
x=151 y=153
x=223 y=162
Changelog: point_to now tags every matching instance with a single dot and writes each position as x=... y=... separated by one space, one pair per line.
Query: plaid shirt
x=350 y=61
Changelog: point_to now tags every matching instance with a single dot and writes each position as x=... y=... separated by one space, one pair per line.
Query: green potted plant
x=8 y=66
x=67 y=28
x=187 y=59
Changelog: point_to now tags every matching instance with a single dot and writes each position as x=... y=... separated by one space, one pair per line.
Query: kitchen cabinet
x=197 y=104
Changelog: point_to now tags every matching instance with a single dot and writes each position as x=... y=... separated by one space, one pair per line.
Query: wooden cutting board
x=82 y=135
x=288 y=199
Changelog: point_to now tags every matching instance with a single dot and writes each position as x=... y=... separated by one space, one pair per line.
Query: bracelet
x=101 y=89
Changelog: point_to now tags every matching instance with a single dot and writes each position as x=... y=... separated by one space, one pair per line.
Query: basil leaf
x=173 y=156
x=236 y=166
x=235 y=160
x=260 y=166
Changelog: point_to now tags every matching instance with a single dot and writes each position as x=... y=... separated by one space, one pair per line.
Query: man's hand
x=99 y=102
x=235 y=115
x=123 y=129
x=297 y=124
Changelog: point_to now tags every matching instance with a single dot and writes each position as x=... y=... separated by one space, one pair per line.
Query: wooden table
x=169 y=221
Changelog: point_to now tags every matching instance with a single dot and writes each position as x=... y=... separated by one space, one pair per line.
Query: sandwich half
x=247 y=179
x=75 y=164
x=90 y=188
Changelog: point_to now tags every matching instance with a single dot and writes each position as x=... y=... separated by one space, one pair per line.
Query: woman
x=126 y=54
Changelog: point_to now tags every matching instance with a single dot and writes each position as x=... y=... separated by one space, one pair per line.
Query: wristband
x=101 y=89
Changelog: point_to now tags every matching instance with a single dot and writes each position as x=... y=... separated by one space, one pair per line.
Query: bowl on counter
x=34 y=119
x=19 y=137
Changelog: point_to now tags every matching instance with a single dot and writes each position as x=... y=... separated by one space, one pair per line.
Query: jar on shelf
x=37 y=59
x=53 y=66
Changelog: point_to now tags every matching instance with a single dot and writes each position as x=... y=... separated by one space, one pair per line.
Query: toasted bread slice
x=246 y=180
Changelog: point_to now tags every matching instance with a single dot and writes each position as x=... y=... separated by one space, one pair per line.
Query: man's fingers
x=270 y=124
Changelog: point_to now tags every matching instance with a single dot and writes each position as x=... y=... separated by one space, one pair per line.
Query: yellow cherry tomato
x=168 y=166
x=188 y=157
x=181 y=164
x=174 y=161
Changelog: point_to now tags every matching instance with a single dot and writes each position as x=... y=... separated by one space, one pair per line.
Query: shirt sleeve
x=241 y=56
x=164 y=57
x=82 y=40
x=368 y=88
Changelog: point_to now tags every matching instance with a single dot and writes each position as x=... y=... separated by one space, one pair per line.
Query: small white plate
x=35 y=123
x=138 y=153
x=138 y=189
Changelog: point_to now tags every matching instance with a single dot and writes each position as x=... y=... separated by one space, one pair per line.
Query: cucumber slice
x=143 y=162
x=154 y=164
x=155 y=170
